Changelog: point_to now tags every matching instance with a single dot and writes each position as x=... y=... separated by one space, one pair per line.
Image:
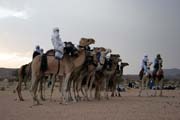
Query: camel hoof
x=21 y=99
x=74 y=101
x=43 y=99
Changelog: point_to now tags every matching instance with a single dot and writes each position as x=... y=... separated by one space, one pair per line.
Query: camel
x=25 y=71
x=81 y=72
x=23 y=75
x=88 y=73
x=62 y=68
x=158 y=78
x=92 y=70
x=117 y=78
x=145 y=79
x=103 y=77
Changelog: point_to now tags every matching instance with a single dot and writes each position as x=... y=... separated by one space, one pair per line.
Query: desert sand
x=127 y=107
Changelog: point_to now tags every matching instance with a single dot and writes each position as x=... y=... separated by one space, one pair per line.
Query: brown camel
x=87 y=73
x=24 y=72
x=158 y=78
x=80 y=73
x=103 y=77
x=117 y=78
x=23 y=75
x=92 y=71
x=66 y=67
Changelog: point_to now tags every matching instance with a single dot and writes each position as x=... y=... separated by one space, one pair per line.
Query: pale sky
x=131 y=28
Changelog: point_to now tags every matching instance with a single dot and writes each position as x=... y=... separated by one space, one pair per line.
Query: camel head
x=104 y=52
x=115 y=58
x=124 y=64
x=86 y=41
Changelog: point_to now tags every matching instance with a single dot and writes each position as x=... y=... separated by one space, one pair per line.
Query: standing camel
x=87 y=74
x=117 y=78
x=158 y=78
x=62 y=69
x=82 y=72
x=103 y=77
x=23 y=75
x=92 y=70
x=145 y=79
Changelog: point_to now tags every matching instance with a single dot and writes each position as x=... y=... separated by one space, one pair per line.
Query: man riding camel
x=37 y=51
x=57 y=43
x=157 y=63
x=145 y=66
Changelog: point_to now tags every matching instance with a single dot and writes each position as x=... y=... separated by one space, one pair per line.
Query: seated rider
x=37 y=51
x=157 y=63
x=144 y=64
x=58 y=44
x=145 y=68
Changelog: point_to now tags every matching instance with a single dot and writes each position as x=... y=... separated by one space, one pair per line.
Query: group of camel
x=81 y=73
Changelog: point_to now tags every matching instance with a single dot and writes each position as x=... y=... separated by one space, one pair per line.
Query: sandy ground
x=128 y=107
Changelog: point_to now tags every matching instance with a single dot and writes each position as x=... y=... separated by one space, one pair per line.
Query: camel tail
x=44 y=65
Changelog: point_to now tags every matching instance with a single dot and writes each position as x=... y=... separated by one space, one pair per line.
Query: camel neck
x=80 y=59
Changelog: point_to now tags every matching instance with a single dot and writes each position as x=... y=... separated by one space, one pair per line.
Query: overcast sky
x=131 y=28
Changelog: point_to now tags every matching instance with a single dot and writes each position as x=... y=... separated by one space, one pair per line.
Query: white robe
x=58 y=45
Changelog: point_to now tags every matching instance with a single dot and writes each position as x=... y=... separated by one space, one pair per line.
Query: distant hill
x=8 y=73
x=172 y=73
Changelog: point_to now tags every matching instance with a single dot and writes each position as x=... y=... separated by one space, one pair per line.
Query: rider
x=145 y=66
x=157 y=63
x=57 y=43
x=37 y=51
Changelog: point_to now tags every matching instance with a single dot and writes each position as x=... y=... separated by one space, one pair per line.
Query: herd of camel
x=83 y=73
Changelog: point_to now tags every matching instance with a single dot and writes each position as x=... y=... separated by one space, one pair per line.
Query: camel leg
x=97 y=93
x=73 y=91
x=155 y=89
x=106 y=81
x=141 y=86
x=146 y=87
x=86 y=87
x=70 y=84
x=79 y=88
x=161 y=86
x=18 y=88
x=114 y=86
x=60 y=84
x=53 y=84
x=33 y=90
x=64 y=88
x=41 y=89
x=83 y=93
x=25 y=81
x=91 y=83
